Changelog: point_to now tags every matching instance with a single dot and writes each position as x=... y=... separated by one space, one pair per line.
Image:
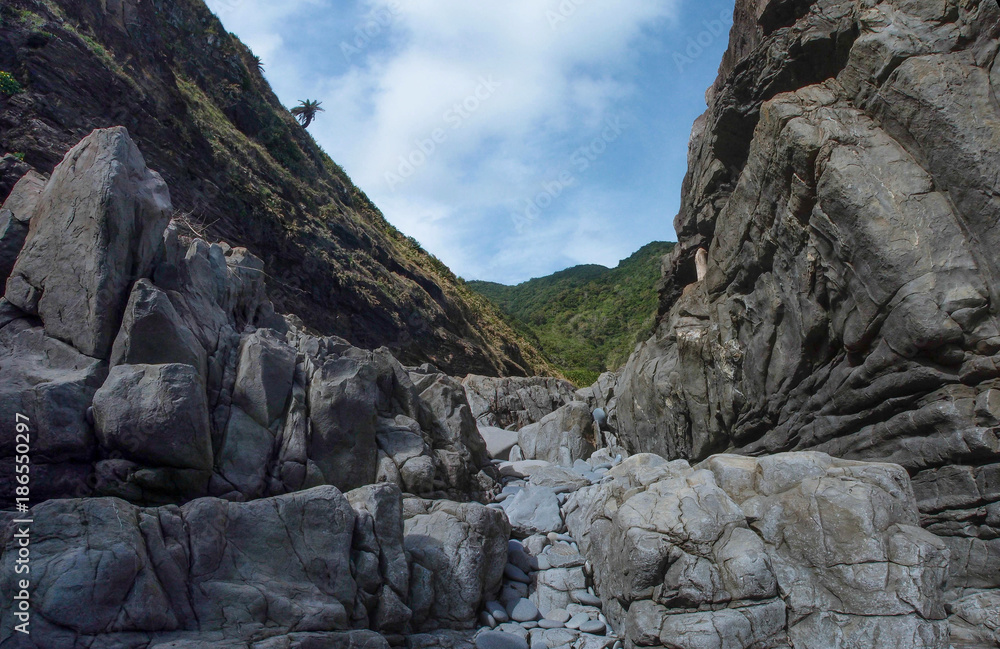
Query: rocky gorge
x=803 y=455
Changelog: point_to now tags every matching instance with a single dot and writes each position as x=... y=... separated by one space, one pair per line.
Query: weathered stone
x=534 y=510
x=463 y=548
x=500 y=640
x=566 y=435
x=515 y=402
x=155 y=415
x=524 y=611
x=96 y=229
x=245 y=454
x=344 y=398
x=264 y=376
x=152 y=333
x=829 y=535
x=282 y=563
x=842 y=185
x=499 y=442
x=15 y=216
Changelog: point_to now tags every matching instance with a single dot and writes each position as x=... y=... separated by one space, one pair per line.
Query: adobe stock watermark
x=376 y=23
x=527 y=210
x=21 y=606
x=455 y=118
x=697 y=44
x=566 y=10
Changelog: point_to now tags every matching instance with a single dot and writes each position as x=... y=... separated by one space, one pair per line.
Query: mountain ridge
x=588 y=318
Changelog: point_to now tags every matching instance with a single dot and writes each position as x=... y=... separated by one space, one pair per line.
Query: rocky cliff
x=843 y=185
x=240 y=169
x=201 y=472
x=192 y=470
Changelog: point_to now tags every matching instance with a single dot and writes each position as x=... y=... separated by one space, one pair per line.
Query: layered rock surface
x=839 y=183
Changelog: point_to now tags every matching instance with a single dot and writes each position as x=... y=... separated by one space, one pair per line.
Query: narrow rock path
x=547 y=600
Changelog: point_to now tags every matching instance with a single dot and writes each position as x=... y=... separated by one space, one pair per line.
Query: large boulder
x=344 y=397
x=796 y=548
x=264 y=376
x=155 y=415
x=564 y=436
x=379 y=558
x=459 y=552
x=534 y=510
x=223 y=570
x=52 y=385
x=515 y=402
x=96 y=229
x=15 y=215
x=152 y=332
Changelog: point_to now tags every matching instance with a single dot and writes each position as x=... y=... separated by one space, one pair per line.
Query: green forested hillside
x=586 y=319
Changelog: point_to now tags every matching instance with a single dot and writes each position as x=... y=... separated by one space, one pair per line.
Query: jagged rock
x=446 y=399
x=53 y=385
x=96 y=229
x=557 y=478
x=842 y=183
x=500 y=640
x=343 y=395
x=264 y=376
x=15 y=215
x=155 y=415
x=282 y=563
x=461 y=551
x=379 y=533
x=152 y=333
x=564 y=436
x=837 y=539
x=515 y=402
x=975 y=618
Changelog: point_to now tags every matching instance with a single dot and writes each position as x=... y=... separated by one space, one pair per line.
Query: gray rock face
x=534 y=510
x=459 y=552
x=152 y=332
x=345 y=399
x=281 y=563
x=562 y=437
x=96 y=229
x=515 y=402
x=499 y=442
x=298 y=567
x=155 y=415
x=796 y=548
x=15 y=215
x=264 y=376
x=841 y=182
x=51 y=384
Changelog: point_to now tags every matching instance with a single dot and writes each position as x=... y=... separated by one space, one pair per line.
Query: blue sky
x=512 y=138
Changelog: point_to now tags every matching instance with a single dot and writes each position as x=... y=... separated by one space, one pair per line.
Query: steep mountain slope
x=586 y=319
x=192 y=97
x=843 y=182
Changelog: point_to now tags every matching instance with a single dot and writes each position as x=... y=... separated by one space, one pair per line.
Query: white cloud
x=562 y=67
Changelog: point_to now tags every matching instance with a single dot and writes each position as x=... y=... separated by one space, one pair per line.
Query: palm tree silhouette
x=258 y=63
x=307 y=110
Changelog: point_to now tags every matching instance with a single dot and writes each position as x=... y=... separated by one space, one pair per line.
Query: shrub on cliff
x=9 y=85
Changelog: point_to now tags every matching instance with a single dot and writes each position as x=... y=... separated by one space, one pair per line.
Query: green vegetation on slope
x=586 y=319
x=241 y=168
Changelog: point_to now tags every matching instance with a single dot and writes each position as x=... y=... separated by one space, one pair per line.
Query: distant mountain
x=586 y=319
x=240 y=168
